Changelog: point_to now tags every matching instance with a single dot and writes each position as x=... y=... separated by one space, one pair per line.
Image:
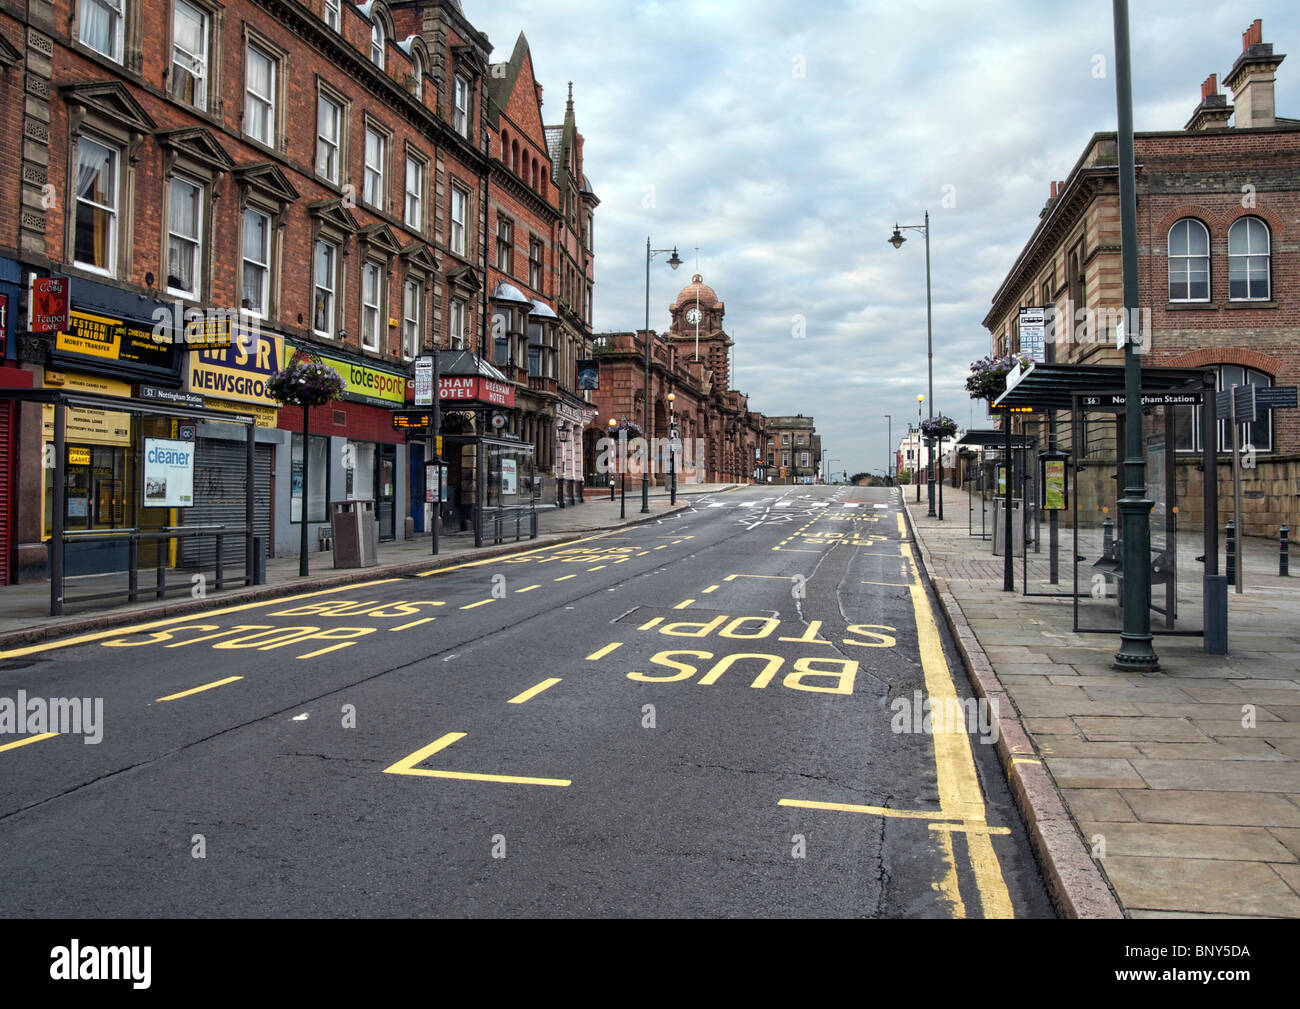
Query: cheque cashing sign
x=238 y=372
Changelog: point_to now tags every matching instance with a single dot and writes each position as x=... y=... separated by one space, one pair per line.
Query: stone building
x=793 y=450
x=1219 y=271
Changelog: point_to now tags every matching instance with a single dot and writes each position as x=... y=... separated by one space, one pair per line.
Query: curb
x=104 y=621
x=1075 y=883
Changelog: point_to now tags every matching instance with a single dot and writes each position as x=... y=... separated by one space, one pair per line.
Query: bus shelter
x=985 y=474
x=1078 y=422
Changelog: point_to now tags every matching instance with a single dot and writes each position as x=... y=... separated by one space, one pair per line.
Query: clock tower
x=698 y=310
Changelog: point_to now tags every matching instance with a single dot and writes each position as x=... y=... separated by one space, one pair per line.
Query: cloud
x=785 y=140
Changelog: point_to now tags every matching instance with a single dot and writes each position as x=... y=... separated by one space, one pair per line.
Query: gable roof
x=197 y=143
x=110 y=99
x=267 y=177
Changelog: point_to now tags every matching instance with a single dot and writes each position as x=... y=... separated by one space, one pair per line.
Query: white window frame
x=411 y=317
x=456 y=235
x=372 y=315
x=324 y=141
x=114 y=7
x=203 y=59
x=1187 y=260
x=197 y=258
x=417 y=74
x=331 y=14
x=378 y=42
x=505 y=251
x=462 y=105
x=456 y=325
x=1250 y=254
x=377 y=172
x=331 y=287
x=415 y=222
x=113 y=210
x=253 y=100
x=537 y=267
x=264 y=265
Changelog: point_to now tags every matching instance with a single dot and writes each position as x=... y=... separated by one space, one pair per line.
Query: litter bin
x=356 y=535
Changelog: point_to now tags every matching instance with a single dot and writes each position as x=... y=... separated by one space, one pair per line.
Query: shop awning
x=467 y=364
x=991 y=437
x=1052 y=386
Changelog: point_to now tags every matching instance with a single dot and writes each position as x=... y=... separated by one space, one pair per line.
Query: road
x=714 y=714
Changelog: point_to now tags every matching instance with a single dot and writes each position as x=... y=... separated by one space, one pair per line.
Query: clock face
x=693 y=316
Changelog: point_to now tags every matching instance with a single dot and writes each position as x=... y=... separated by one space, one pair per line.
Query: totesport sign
x=364 y=383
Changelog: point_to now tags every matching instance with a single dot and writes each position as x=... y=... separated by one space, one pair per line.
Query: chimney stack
x=1214 y=111
x=1251 y=79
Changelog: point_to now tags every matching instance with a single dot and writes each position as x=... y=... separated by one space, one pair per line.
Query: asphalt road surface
x=721 y=713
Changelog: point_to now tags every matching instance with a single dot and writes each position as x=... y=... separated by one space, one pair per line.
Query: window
x=1189 y=261
x=329 y=137
x=255 y=295
x=371 y=297
x=101 y=27
x=535 y=275
x=799 y=440
x=587 y=307
x=326 y=282
x=189 y=80
x=785 y=440
x=377 y=43
x=259 y=102
x=411 y=318
x=184 y=236
x=456 y=325
x=462 y=106
x=505 y=243
x=318 y=472
x=332 y=13
x=1259 y=435
x=1248 y=260
x=414 y=193
x=373 y=188
x=95 y=241
x=458 y=200
x=417 y=76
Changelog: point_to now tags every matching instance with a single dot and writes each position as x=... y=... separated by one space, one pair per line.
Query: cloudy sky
x=785 y=139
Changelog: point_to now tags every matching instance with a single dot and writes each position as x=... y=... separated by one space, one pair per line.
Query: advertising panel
x=168 y=473
x=238 y=372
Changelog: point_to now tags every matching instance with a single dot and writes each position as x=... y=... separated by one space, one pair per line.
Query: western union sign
x=238 y=372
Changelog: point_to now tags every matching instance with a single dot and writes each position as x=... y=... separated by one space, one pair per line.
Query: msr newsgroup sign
x=238 y=372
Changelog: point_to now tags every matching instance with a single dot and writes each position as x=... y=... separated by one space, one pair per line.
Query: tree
x=859 y=477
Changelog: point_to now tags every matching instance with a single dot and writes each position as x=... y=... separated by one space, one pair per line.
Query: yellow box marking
x=481 y=602
x=198 y=690
x=23 y=742
x=601 y=653
x=413 y=623
x=534 y=691
x=407 y=765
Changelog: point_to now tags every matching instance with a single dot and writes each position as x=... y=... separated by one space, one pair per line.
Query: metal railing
x=133 y=538
x=498 y=521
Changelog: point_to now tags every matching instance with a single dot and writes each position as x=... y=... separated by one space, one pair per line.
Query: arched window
x=377 y=42
x=1189 y=261
x=505 y=147
x=1248 y=260
x=534 y=176
x=514 y=156
x=1259 y=435
x=417 y=74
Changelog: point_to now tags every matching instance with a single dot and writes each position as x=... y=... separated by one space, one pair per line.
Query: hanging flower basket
x=305 y=383
x=939 y=427
x=988 y=377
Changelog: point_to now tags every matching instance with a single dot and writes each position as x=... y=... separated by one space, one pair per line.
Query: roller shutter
x=219 y=481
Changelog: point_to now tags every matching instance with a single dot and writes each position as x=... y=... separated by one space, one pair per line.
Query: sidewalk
x=25 y=609
x=1161 y=780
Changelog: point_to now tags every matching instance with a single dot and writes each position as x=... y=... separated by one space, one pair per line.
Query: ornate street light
x=674 y=262
x=896 y=240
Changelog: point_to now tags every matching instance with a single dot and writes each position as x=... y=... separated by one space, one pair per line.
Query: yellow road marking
x=947 y=884
x=959 y=789
x=196 y=690
x=643 y=553
x=779 y=578
x=604 y=651
x=897 y=585
x=683 y=604
x=650 y=623
x=413 y=623
x=662 y=546
x=30 y=739
x=849 y=807
x=528 y=588
x=481 y=602
x=598 y=567
x=82 y=639
x=970 y=828
x=521 y=553
x=711 y=588
x=330 y=648
x=565 y=578
x=407 y=765
x=902 y=527
x=534 y=691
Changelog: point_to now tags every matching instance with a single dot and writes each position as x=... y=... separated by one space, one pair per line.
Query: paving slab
x=1182 y=840
x=1211 y=807
x=1209 y=886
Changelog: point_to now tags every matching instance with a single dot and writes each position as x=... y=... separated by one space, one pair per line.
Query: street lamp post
x=896 y=240
x=919 y=400
x=674 y=262
x=621 y=428
x=1136 y=653
x=672 y=451
x=889 y=457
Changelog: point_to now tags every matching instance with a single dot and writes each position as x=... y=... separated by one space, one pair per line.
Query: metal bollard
x=1283 y=553
x=1107 y=535
x=1230 y=569
x=611 y=491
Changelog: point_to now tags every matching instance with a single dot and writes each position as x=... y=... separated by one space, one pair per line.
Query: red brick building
x=1218 y=261
x=331 y=169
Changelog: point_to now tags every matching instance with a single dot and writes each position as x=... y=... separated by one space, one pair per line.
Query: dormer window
x=417 y=77
x=377 y=43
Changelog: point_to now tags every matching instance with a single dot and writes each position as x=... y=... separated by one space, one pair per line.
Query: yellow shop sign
x=238 y=372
